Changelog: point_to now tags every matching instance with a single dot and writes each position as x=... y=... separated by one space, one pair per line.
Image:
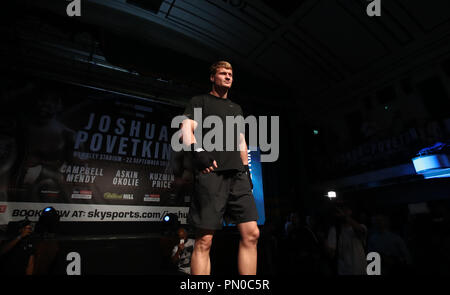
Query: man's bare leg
x=248 y=253
x=200 y=261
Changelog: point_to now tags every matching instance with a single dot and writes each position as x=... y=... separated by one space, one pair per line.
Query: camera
x=14 y=227
x=13 y=230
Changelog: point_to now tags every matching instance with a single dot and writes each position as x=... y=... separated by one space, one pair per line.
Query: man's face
x=182 y=235
x=223 y=78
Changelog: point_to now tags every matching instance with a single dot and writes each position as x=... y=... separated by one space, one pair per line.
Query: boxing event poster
x=92 y=155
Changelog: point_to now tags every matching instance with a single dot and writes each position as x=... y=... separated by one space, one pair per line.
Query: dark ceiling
x=320 y=50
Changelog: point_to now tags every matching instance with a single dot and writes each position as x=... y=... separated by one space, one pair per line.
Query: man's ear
x=211 y=78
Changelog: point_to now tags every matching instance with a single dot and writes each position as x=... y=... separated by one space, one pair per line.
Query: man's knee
x=251 y=236
x=203 y=242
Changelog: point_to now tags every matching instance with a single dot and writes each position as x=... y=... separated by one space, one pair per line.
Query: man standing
x=223 y=187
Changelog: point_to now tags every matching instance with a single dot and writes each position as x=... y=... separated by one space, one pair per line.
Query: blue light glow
x=256 y=174
x=432 y=166
x=254 y=164
x=428 y=162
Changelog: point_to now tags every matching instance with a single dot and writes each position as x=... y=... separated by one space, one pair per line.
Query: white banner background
x=15 y=211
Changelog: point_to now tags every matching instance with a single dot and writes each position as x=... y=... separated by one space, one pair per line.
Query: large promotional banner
x=92 y=155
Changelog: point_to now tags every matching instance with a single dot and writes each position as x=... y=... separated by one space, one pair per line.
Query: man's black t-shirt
x=215 y=106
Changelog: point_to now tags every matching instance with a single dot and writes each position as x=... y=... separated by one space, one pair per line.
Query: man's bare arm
x=187 y=131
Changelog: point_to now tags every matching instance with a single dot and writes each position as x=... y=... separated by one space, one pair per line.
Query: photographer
x=182 y=253
x=17 y=254
x=33 y=250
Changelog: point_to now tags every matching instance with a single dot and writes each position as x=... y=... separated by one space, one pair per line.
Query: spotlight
x=170 y=218
x=48 y=221
x=170 y=223
x=331 y=194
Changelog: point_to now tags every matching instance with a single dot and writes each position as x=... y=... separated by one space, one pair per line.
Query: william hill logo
x=115 y=196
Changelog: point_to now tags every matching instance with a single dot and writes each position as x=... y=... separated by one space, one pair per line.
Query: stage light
x=316 y=132
x=433 y=161
x=48 y=221
x=331 y=194
x=170 y=223
x=170 y=218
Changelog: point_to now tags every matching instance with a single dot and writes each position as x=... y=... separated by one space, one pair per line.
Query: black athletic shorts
x=222 y=195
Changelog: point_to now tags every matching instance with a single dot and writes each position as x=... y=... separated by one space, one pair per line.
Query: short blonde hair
x=220 y=64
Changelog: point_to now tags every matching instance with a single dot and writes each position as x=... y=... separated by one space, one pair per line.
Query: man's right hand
x=210 y=168
x=26 y=231
x=203 y=160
